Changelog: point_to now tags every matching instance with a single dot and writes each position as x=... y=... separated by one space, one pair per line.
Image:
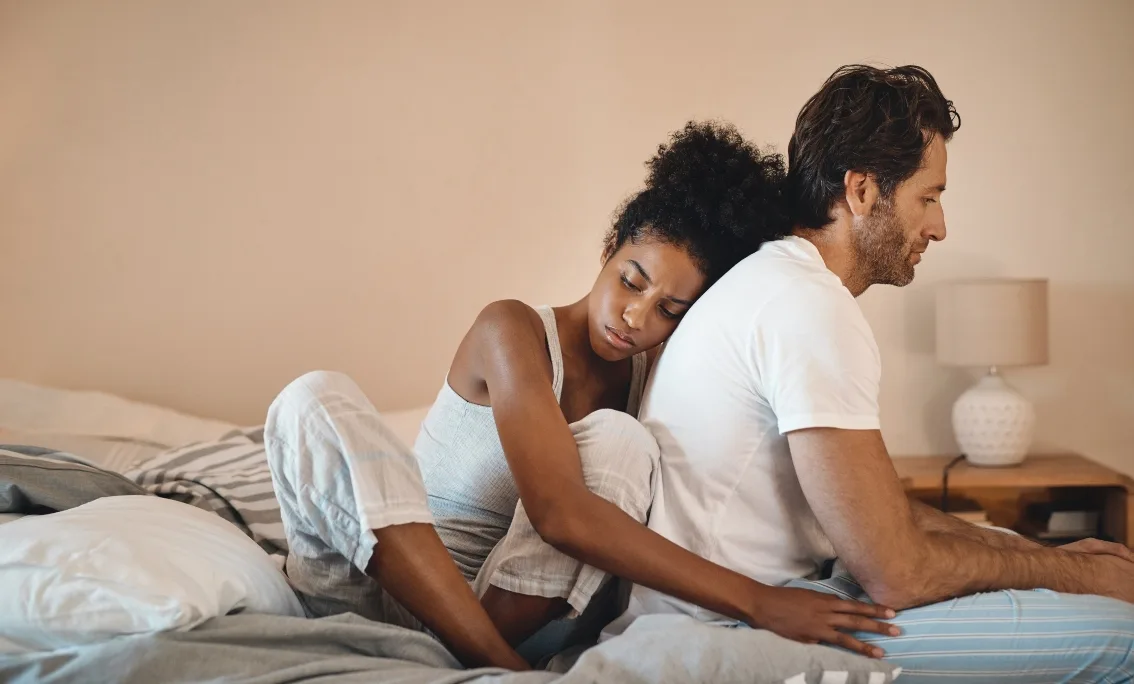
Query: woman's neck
x=573 y=322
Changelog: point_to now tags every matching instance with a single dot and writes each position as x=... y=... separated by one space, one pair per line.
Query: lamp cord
x=945 y=483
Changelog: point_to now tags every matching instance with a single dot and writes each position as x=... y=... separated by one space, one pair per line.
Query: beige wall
x=200 y=200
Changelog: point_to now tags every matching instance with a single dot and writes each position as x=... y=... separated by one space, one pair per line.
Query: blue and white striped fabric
x=229 y=477
x=1024 y=637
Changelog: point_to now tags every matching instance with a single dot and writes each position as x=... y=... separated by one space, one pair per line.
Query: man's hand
x=813 y=617
x=1109 y=575
x=1110 y=568
x=1100 y=548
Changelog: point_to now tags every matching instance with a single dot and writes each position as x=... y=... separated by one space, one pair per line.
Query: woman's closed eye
x=665 y=308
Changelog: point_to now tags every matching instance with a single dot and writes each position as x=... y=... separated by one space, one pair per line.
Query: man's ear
x=861 y=192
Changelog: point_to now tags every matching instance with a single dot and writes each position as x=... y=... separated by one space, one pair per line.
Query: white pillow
x=127 y=565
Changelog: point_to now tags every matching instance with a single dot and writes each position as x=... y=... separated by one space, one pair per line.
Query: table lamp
x=992 y=323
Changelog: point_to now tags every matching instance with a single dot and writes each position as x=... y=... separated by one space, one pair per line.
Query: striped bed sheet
x=229 y=477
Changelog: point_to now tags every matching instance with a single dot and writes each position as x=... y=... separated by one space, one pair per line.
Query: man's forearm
x=955 y=565
x=958 y=558
x=944 y=564
x=929 y=519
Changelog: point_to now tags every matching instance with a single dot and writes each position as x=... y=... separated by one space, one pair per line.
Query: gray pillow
x=668 y=649
x=35 y=480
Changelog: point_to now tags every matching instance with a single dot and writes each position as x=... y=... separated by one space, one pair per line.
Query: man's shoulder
x=776 y=265
x=771 y=288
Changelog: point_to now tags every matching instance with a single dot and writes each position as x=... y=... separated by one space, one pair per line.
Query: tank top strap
x=553 y=348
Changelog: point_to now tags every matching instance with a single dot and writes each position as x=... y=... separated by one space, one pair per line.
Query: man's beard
x=882 y=252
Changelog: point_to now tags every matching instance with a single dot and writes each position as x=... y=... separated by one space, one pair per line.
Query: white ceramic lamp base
x=993 y=423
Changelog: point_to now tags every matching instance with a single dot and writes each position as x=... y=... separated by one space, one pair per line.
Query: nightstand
x=1005 y=493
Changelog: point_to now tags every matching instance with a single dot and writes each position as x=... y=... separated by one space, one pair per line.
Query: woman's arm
x=510 y=354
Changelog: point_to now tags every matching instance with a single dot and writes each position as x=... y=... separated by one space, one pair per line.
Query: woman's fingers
x=851 y=644
x=858 y=623
x=867 y=609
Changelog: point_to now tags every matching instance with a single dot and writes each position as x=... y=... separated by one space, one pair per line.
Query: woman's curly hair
x=709 y=191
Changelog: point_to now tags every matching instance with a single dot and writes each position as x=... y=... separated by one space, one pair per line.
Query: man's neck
x=834 y=244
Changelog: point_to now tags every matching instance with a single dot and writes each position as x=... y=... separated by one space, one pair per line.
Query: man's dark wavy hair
x=877 y=121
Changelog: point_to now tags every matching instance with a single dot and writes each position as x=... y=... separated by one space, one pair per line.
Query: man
x=765 y=406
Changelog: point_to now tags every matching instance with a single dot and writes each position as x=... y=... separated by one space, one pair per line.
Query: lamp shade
x=993 y=322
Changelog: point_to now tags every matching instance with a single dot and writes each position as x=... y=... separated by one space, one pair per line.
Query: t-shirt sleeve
x=816 y=361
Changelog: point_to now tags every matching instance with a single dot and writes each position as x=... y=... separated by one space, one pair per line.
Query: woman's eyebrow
x=675 y=300
x=641 y=270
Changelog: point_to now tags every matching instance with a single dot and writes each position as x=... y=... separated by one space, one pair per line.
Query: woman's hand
x=814 y=617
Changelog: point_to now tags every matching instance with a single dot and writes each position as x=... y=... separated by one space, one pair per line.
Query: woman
x=531 y=479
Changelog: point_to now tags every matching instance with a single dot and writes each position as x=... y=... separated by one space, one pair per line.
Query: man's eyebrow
x=642 y=271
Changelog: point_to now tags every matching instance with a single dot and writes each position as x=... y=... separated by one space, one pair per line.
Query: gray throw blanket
x=347 y=649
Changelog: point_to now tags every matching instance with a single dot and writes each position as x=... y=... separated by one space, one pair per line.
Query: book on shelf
x=976 y=517
x=968 y=510
x=1055 y=524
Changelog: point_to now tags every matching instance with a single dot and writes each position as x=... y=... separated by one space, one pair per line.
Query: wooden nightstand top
x=1055 y=470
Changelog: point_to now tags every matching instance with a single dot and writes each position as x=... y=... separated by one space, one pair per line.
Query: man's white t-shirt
x=778 y=344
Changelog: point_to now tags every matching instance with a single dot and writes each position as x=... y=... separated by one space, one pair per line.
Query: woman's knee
x=614 y=438
x=315 y=387
x=309 y=391
x=619 y=456
x=301 y=415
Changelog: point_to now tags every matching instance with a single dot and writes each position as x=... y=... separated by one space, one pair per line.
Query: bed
x=101 y=453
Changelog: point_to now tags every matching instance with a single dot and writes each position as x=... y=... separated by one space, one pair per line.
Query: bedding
x=34 y=409
x=228 y=477
x=127 y=565
x=35 y=480
x=111 y=453
x=347 y=649
x=224 y=472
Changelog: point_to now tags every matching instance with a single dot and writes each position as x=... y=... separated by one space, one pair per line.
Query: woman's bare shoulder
x=507 y=316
